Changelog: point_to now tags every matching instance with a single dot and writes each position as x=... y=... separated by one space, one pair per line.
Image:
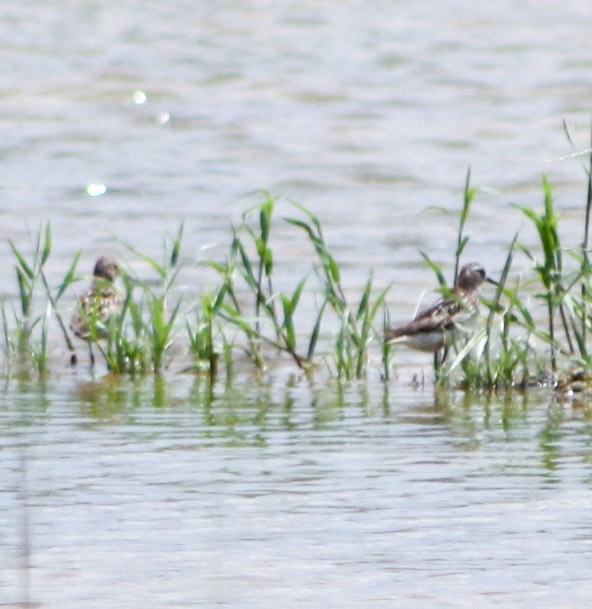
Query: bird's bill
x=490 y=280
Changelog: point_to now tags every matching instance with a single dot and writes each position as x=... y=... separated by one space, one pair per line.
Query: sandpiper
x=98 y=304
x=433 y=329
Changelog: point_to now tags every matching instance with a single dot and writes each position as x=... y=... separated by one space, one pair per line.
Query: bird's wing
x=438 y=317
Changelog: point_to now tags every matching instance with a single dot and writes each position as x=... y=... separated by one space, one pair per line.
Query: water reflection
x=282 y=484
x=248 y=405
x=246 y=410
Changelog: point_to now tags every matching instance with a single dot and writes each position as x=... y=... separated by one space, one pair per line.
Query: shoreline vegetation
x=246 y=315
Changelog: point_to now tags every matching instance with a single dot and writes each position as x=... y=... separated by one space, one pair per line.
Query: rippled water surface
x=120 y=120
x=151 y=496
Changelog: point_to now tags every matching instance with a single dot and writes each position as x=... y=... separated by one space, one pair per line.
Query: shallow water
x=158 y=493
x=151 y=496
x=367 y=114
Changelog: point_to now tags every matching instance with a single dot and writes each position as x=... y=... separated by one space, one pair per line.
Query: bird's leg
x=439 y=359
x=92 y=355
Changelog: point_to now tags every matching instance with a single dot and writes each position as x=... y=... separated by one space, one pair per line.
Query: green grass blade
x=314 y=337
x=70 y=277
x=28 y=271
x=46 y=245
x=435 y=267
x=177 y=243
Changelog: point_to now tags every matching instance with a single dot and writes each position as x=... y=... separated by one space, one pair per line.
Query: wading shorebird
x=98 y=304
x=433 y=329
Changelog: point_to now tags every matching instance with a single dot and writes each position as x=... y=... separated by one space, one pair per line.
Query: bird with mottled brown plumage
x=433 y=329
x=100 y=303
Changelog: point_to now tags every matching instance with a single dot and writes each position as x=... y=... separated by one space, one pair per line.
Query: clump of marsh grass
x=498 y=355
x=126 y=350
x=566 y=292
x=267 y=318
x=251 y=260
x=27 y=349
x=207 y=342
x=140 y=338
x=270 y=320
x=356 y=323
x=492 y=356
x=551 y=272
